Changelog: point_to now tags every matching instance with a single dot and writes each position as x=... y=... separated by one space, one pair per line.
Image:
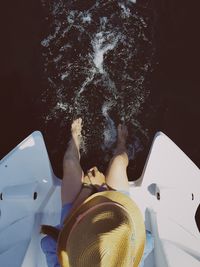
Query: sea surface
x=105 y=61
x=98 y=57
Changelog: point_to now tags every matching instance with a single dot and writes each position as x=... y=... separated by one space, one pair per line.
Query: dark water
x=107 y=61
x=98 y=57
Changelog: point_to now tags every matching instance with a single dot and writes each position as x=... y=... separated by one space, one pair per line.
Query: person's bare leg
x=72 y=171
x=116 y=175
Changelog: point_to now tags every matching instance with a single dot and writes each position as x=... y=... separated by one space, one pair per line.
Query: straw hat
x=107 y=230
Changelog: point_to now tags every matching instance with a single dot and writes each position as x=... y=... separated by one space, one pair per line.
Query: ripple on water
x=96 y=60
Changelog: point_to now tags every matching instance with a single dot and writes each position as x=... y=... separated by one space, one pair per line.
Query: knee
x=121 y=159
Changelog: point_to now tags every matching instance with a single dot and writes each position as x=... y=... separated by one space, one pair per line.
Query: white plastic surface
x=172 y=176
x=26 y=186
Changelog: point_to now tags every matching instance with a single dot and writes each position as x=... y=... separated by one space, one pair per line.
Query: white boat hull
x=168 y=194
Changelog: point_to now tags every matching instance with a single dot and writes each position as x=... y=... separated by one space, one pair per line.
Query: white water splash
x=110 y=132
x=87 y=81
x=71 y=17
x=93 y=66
x=64 y=75
x=86 y=18
x=46 y=41
x=126 y=10
x=62 y=106
x=100 y=48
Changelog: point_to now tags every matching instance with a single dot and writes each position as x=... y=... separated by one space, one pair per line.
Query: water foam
x=96 y=61
x=100 y=48
x=109 y=132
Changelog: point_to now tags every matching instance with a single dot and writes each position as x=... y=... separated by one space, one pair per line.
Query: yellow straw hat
x=106 y=230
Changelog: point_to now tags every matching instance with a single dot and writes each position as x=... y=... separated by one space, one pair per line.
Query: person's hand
x=95 y=177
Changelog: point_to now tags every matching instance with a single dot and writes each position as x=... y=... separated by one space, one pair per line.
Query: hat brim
x=103 y=197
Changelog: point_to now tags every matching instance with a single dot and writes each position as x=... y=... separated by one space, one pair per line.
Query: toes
x=122 y=130
x=122 y=127
x=77 y=124
x=119 y=127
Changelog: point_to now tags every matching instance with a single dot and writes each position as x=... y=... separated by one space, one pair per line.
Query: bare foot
x=122 y=134
x=76 y=128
